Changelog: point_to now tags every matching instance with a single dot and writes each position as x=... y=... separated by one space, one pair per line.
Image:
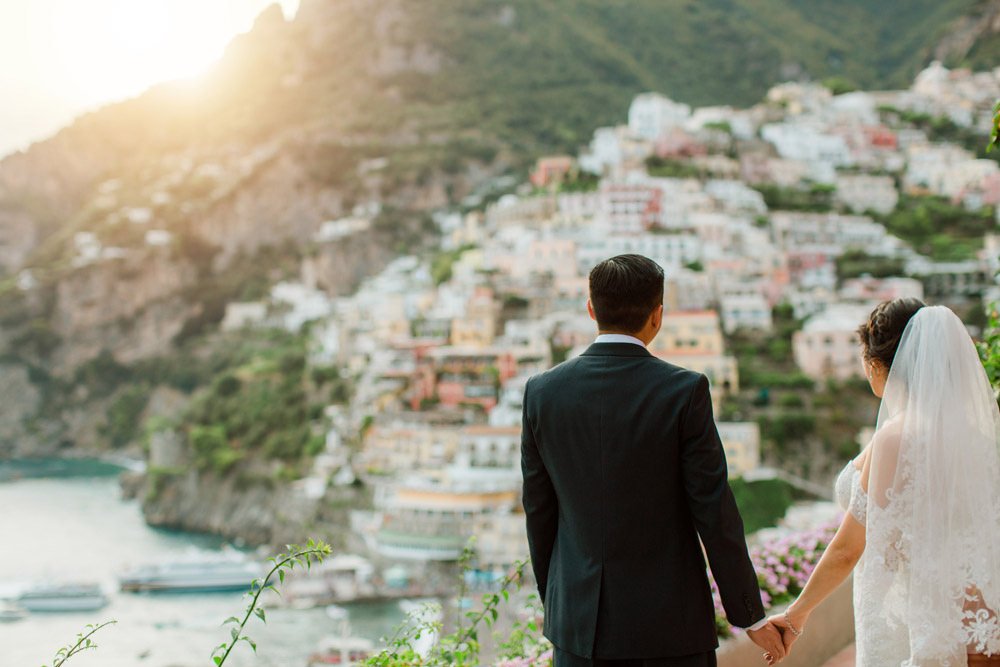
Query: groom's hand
x=769 y=639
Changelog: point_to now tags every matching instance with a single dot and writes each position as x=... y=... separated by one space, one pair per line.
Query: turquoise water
x=66 y=521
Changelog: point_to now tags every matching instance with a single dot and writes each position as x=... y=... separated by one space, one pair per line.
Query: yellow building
x=697 y=332
x=741 y=440
x=478 y=328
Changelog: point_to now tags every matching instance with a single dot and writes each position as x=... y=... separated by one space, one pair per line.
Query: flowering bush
x=783 y=567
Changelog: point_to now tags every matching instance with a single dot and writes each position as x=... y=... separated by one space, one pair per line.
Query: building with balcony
x=429 y=516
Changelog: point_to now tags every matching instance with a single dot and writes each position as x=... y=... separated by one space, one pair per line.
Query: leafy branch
x=462 y=648
x=282 y=563
x=83 y=643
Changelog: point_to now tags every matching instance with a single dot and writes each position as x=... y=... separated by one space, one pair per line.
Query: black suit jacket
x=623 y=471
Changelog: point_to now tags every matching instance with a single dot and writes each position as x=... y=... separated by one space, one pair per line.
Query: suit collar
x=616 y=350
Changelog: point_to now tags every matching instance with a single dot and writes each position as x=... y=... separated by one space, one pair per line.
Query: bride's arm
x=833 y=568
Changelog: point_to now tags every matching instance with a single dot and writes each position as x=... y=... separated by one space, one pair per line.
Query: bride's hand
x=791 y=625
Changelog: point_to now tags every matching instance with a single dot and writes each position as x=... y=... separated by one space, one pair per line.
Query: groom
x=623 y=472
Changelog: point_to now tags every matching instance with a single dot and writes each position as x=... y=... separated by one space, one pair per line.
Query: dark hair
x=624 y=290
x=881 y=333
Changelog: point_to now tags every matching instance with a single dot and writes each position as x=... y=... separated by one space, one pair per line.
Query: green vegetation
x=545 y=74
x=838 y=85
x=580 y=181
x=248 y=278
x=854 y=263
x=282 y=564
x=442 y=263
x=463 y=647
x=664 y=168
x=84 y=642
x=989 y=348
x=337 y=387
x=762 y=502
x=941 y=129
x=817 y=198
x=937 y=228
x=124 y=415
x=258 y=406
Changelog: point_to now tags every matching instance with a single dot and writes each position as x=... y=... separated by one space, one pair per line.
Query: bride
x=922 y=526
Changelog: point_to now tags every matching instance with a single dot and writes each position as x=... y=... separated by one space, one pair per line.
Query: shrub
x=125 y=415
x=761 y=503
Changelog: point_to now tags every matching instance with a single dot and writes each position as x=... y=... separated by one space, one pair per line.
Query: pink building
x=551 y=170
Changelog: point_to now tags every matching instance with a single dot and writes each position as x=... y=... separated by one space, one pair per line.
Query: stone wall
x=831 y=628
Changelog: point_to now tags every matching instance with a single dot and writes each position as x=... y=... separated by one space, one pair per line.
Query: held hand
x=769 y=639
x=790 y=625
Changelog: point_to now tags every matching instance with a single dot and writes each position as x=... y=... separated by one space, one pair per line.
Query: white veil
x=931 y=570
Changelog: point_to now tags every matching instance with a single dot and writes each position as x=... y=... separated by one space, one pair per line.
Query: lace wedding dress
x=928 y=583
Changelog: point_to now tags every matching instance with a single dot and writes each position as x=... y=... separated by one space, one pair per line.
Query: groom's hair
x=624 y=290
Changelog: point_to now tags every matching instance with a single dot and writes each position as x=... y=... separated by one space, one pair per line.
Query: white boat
x=341 y=648
x=343 y=651
x=63 y=597
x=10 y=611
x=203 y=574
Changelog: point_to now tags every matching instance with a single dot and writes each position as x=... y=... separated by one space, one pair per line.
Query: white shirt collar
x=619 y=338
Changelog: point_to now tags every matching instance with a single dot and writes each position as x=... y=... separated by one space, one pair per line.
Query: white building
x=667 y=250
x=832 y=233
x=736 y=196
x=746 y=311
x=800 y=141
x=301 y=304
x=650 y=114
x=605 y=152
x=862 y=192
x=630 y=208
x=489 y=447
x=867 y=289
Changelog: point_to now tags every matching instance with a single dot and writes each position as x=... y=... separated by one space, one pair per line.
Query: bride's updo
x=881 y=333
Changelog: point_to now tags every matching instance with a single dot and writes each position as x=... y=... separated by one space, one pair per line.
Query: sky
x=61 y=58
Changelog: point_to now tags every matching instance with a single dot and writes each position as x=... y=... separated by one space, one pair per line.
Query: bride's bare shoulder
x=886 y=442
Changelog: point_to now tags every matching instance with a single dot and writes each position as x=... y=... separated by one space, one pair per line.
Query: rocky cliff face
x=133 y=305
x=972 y=36
x=251 y=511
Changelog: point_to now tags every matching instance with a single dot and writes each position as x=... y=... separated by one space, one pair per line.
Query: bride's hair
x=880 y=335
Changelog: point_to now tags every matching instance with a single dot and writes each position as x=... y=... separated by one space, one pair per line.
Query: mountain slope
x=973 y=40
x=410 y=104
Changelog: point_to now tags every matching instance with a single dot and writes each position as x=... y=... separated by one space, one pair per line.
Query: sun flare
x=112 y=49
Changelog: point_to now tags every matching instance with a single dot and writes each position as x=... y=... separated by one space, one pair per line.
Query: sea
x=66 y=521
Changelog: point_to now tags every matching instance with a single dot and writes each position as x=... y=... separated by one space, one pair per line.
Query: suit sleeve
x=538 y=496
x=714 y=510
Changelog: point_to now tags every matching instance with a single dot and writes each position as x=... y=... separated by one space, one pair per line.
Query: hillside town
x=439 y=348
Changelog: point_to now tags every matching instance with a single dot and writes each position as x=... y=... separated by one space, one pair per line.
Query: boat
x=203 y=575
x=341 y=648
x=63 y=597
x=341 y=651
x=10 y=611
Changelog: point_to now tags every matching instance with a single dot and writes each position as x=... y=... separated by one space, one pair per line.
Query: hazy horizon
x=72 y=57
